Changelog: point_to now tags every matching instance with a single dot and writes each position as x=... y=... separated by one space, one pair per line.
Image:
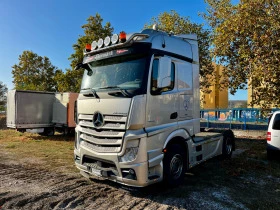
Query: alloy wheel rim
x=176 y=166
x=228 y=146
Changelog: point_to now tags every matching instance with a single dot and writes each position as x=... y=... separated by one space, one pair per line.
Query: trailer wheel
x=174 y=165
x=22 y=130
x=228 y=144
x=65 y=131
x=48 y=132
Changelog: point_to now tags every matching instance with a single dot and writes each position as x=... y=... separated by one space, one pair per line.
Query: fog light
x=129 y=155
x=131 y=171
x=129 y=174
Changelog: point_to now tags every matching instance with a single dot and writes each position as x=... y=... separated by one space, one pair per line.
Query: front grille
x=107 y=138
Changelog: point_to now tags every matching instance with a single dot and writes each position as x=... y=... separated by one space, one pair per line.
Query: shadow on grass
x=56 y=137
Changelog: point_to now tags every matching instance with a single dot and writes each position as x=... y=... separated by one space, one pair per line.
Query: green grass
x=54 y=152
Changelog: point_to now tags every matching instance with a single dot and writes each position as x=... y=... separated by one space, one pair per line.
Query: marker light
x=268 y=136
x=115 y=39
x=100 y=43
x=123 y=36
x=107 y=41
x=88 y=47
x=94 y=45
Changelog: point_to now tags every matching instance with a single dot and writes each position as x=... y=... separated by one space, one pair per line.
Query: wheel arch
x=179 y=137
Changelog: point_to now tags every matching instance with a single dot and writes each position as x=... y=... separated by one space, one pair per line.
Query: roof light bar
x=114 y=39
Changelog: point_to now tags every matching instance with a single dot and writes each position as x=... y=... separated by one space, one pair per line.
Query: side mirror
x=78 y=66
x=164 y=72
x=84 y=66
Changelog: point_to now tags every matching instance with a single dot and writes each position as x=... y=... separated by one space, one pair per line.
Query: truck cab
x=137 y=113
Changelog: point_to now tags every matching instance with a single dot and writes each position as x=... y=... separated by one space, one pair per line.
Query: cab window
x=276 y=122
x=154 y=89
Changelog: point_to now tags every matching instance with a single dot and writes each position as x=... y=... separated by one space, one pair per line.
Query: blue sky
x=50 y=28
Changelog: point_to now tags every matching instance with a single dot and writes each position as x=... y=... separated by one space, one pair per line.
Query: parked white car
x=273 y=135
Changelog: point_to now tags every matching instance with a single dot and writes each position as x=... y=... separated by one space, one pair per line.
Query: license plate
x=96 y=172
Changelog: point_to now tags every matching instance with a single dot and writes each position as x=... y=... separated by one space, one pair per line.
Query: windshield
x=126 y=72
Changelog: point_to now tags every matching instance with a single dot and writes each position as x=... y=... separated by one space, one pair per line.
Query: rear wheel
x=228 y=144
x=174 y=165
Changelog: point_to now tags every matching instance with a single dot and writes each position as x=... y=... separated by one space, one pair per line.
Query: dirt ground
x=247 y=181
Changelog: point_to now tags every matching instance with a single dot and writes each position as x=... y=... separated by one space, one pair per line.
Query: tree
x=93 y=30
x=246 y=40
x=34 y=72
x=173 y=22
x=3 y=96
x=70 y=81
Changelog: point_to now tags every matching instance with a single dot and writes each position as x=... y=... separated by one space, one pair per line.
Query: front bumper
x=117 y=174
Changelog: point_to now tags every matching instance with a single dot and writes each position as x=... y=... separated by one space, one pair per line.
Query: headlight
x=129 y=155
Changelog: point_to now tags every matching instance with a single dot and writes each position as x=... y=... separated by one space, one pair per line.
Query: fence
x=236 y=118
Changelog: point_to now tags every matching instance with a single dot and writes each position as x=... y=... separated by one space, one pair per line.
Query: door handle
x=174 y=115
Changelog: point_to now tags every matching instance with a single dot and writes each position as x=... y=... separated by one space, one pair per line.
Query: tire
x=228 y=144
x=47 y=132
x=66 y=131
x=174 y=165
x=21 y=130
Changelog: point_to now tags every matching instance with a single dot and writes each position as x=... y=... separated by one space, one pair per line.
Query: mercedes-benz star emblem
x=98 y=120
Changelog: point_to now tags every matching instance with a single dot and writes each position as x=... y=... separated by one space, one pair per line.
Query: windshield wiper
x=118 y=88
x=93 y=91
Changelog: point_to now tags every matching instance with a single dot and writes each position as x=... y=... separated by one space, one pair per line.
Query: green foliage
x=3 y=97
x=93 y=30
x=173 y=22
x=70 y=81
x=246 y=40
x=34 y=72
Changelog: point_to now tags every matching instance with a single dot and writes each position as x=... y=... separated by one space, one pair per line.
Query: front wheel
x=174 y=165
x=228 y=144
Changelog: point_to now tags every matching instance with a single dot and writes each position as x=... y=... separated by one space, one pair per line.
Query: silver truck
x=41 y=112
x=137 y=113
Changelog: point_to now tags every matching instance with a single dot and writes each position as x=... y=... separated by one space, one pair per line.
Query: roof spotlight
x=88 y=47
x=122 y=36
x=94 y=45
x=115 y=39
x=107 y=41
x=100 y=43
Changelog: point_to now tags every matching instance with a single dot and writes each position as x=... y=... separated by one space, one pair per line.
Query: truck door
x=162 y=103
x=185 y=88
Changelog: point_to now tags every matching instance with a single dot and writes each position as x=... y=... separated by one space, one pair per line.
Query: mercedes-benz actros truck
x=138 y=111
